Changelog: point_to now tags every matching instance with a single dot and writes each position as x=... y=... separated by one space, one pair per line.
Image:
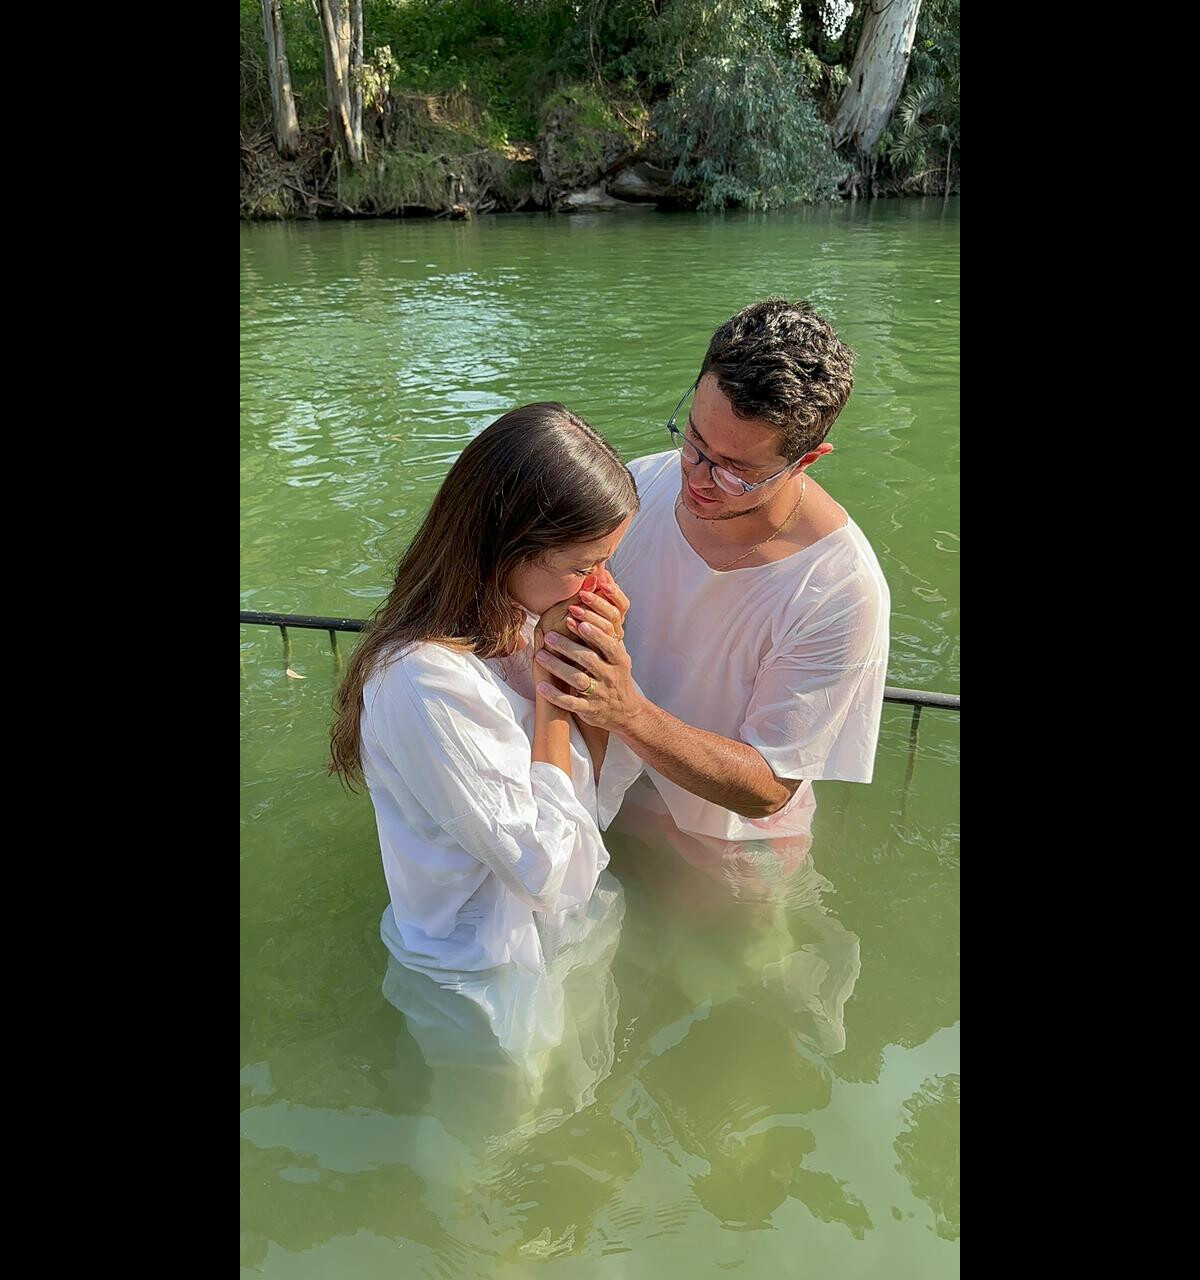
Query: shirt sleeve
x=453 y=737
x=619 y=771
x=817 y=702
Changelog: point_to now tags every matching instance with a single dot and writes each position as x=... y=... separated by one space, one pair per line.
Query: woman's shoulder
x=428 y=670
x=433 y=694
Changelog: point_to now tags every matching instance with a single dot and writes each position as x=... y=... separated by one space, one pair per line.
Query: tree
x=342 y=42
x=745 y=132
x=283 y=105
x=923 y=136
x=877 y=73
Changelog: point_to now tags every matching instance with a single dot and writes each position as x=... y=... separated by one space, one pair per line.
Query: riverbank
x=430 y=156
x=456 y=176
x=480 y=106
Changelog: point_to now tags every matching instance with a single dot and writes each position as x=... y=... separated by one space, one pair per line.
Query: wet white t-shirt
x=488 y=856
x=788 y=657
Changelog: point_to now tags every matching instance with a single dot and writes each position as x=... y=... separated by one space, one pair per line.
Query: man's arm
x=720 y=770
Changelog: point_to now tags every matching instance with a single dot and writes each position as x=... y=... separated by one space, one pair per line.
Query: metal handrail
x=917 y=698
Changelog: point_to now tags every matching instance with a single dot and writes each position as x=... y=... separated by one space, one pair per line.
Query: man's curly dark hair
x=780 y=362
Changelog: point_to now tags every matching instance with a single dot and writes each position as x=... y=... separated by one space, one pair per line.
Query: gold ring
x=587 y=693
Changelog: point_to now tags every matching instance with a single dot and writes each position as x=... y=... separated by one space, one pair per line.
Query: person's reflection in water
x=511 y=1050
x=742 y=912
x=748 y=974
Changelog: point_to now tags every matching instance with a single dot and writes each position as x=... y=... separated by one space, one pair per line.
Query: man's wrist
x=635 y=716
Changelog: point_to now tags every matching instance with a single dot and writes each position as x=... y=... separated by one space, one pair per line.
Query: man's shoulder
x=862 y=556
x=840 y=568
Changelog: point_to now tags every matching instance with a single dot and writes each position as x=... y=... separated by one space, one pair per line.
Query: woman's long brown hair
x=537 y=479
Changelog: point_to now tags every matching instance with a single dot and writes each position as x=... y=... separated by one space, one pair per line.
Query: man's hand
x=593 y=617
x=612 y=701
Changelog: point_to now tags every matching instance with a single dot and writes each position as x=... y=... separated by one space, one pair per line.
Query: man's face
x=747 y=449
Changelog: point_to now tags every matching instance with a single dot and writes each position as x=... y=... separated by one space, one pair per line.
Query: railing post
x=912 y=745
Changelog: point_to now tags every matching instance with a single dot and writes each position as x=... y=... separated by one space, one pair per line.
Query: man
x=758 y=614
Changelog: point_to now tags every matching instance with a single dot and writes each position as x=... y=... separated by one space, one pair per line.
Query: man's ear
x=819 y=452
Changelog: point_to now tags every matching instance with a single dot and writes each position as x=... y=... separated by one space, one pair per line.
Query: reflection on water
x=673 y=1067
x=711 y=1046
x=742 y=912
x=928 y=1150
x=510 y=1050
x=514 y=1051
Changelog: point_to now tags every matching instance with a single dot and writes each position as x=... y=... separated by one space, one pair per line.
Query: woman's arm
x=552 y=725
x=564 y=619
x=443 y=732
x=552 y=735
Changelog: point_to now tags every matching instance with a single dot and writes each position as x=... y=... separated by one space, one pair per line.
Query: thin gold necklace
x=720 y=568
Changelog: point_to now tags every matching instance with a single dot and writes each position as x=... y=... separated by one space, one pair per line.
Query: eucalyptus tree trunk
x=283 y=105
x=342 y=41
x=876 y=74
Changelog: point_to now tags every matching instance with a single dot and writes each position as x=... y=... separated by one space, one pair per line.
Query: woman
x=489 y=800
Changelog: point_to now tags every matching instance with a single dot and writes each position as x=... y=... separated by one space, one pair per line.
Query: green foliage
x=255 y=92
x=919 y=126
x=736 y=89
x=741 y=123
x=582 y=135
x=377 y=73
x=505 y=53
x=398 y=180
x=823 y=83
x=434 y=158
x=746 y=134
x=590 y=109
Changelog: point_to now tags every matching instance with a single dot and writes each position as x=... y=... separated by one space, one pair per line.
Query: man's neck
x=783 y=525
x=744 y=528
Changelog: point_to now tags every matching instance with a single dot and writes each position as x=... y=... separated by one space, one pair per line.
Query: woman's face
x=557 y=575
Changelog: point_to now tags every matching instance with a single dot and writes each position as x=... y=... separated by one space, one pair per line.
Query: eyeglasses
x=735 y=486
